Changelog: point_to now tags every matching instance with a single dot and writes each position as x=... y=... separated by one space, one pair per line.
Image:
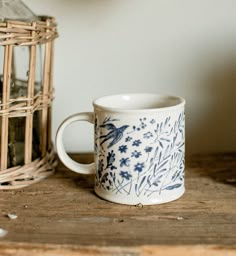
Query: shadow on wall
x=86 y=6
x=211 y=123
x=82 y=2
x=217 y=124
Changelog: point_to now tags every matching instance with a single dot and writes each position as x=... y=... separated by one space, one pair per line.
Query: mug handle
x=64 y=157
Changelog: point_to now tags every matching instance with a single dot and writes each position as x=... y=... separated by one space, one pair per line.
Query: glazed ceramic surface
x=139 y=148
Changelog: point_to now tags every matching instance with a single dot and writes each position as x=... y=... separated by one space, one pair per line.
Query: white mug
x=139 y=148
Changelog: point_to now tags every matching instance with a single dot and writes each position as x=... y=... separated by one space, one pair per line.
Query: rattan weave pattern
x=33 y=169
x=20 y=32
x=23 y=176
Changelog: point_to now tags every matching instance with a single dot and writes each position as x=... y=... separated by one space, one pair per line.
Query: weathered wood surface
x=10 y=249
x=63 y=214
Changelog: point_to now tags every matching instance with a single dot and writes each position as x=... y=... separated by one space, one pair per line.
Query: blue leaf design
x=160 y=155
x=165 y=139
x=141 y=183
x=148 y=181
x=157 y=181
x=162 y=170
x=104 y=178
x=163 y=164
x=173 y=186
x=161 y=144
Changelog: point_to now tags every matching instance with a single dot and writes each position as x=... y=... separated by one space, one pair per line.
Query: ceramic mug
x=139 y=148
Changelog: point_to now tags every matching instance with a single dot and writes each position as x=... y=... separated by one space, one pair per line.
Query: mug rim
x=97 y=105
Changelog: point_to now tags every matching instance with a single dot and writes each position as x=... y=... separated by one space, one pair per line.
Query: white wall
x=182 y=47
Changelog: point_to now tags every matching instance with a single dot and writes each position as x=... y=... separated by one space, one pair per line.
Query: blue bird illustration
x=114 y=135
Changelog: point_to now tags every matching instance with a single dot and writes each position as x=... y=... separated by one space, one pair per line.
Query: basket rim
x=25 y=175
x=18 y=32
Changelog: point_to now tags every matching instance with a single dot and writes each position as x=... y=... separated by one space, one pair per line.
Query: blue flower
x=123 y=148
x=139 y=167
x=147 y=135
x=136 y=143
x=136 y=154
x=125 y=175
x=141 y=119
x=128 y=139
x=124 y=162
x=143 y=125
x=148 y=149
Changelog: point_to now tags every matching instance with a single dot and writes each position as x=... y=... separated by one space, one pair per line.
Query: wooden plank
x=12 y=249
x=64 y=211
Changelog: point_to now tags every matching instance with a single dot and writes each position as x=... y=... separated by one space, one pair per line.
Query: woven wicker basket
x=35 y=167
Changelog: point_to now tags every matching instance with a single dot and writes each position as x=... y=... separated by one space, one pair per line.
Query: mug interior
x=138 y=101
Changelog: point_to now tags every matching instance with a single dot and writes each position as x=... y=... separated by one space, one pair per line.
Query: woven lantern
x=26 y=94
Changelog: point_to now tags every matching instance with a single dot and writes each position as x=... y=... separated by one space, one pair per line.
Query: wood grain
x=64 y=211
x=21 y=249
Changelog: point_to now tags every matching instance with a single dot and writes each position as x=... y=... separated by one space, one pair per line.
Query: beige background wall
x=182 y=47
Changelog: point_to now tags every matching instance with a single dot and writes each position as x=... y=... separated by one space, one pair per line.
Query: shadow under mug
x=139 y=148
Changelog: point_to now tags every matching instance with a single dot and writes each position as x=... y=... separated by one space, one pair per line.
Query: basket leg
x=5 y=100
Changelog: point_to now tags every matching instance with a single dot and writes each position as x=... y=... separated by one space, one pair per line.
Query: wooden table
x=63 y=216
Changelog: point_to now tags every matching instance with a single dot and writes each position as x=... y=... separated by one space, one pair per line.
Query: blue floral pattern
x=136 y=154
x=138 y=167
x=125 y=174
x=123 y=148
x=124 y=162
x=144 y=158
